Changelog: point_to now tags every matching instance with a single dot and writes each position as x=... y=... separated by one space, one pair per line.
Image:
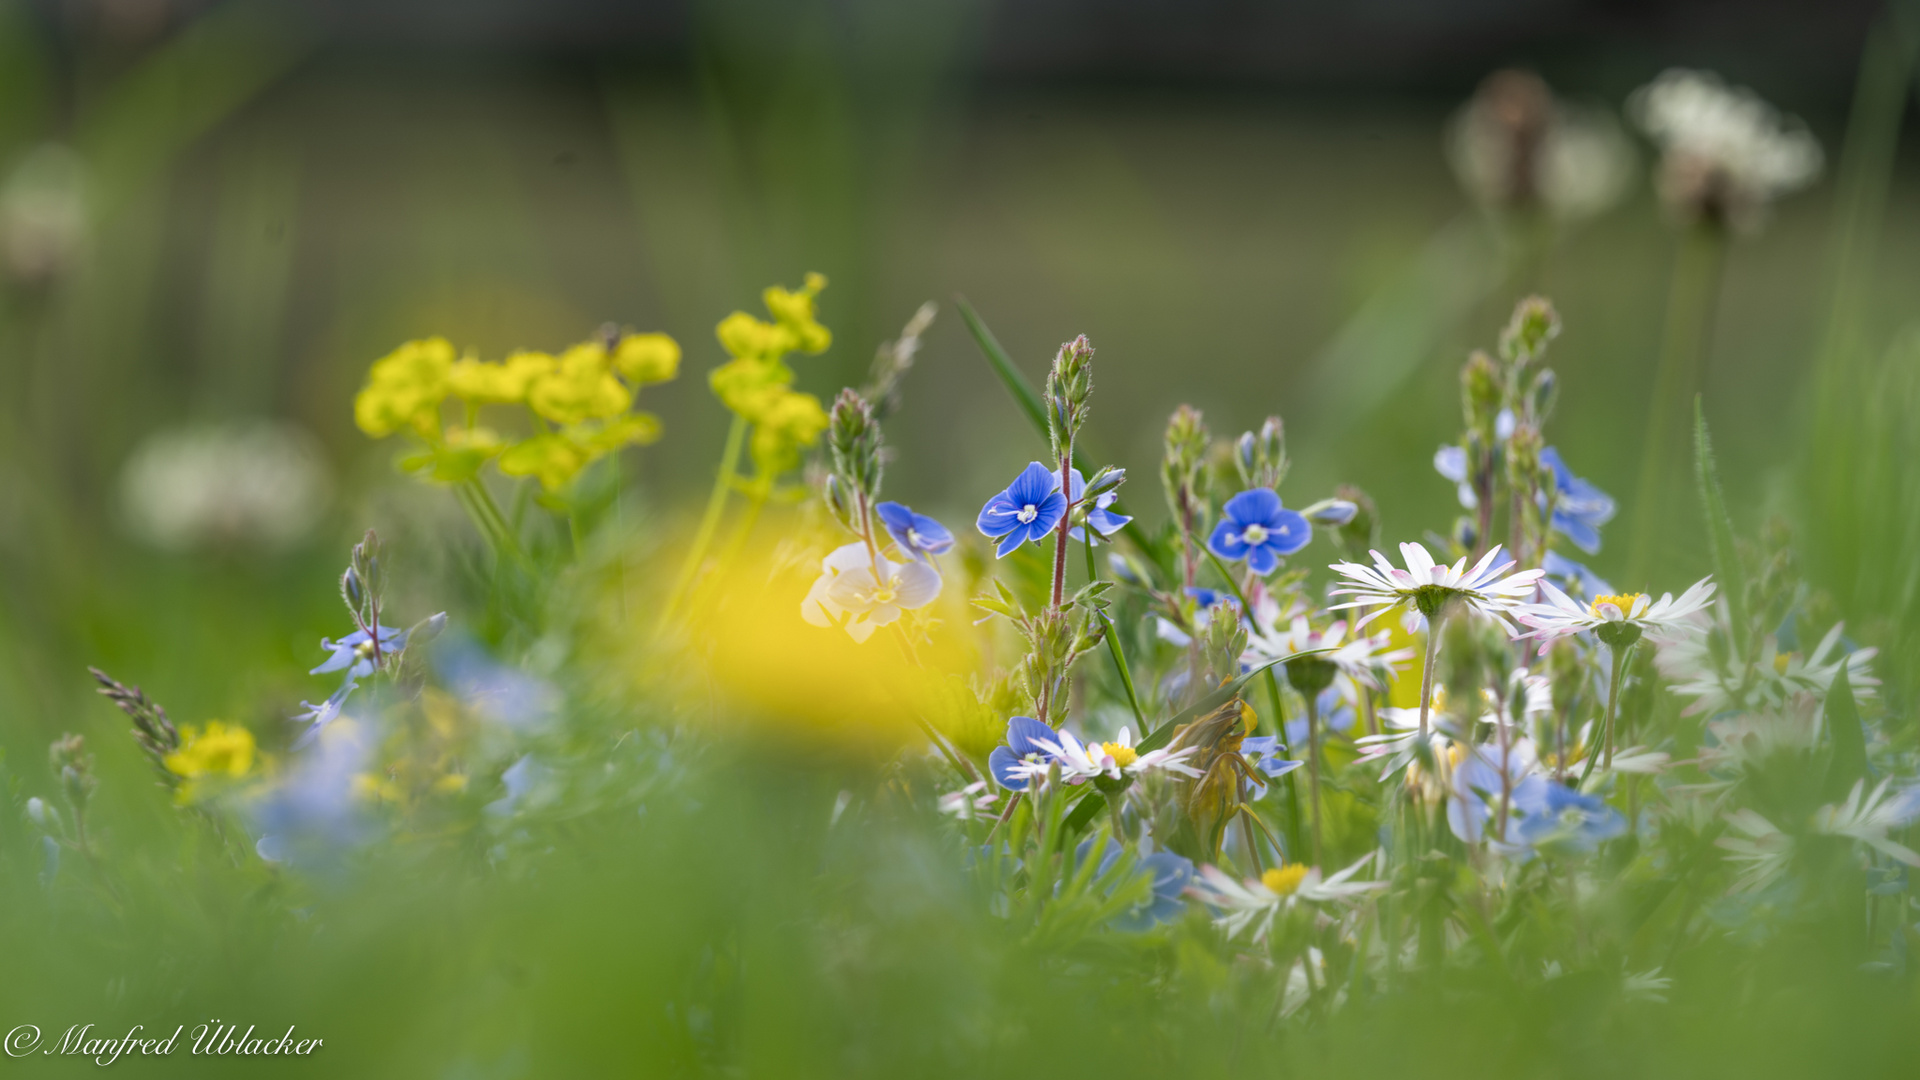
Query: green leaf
x=1849 y=762
x=1726 y=560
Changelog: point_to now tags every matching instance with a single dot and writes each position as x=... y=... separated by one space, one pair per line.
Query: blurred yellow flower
x=788 y=422
x=581 y=386
x=647 y=358
x=217 y=749
x=458 y=458
x=405 y=389
x=504 y=383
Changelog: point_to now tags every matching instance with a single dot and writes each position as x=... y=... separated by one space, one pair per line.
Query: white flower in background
x=43 y=214
x=970 y=802
x=1773 y=680
x=1618 y=619
x=1255 y=901
x=1760 y=849
x=1359 y=661
x=1514 y=146
x=1866 y=816
x=250 y=484
x=861 y=592
x=1725 y=154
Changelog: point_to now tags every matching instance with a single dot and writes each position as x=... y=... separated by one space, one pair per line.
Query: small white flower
x=1761 y=848
x=1662 y=620
x=1255 y=901
x=1514 y=145
x=1426 y=585
x=1773 y=679
x=1080 y=762
x=1866 y=817
x=861 y=593
x=1361 y=661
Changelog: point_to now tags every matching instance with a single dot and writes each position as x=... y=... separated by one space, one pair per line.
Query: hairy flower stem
x=709 y=522
x=1620 y=654
x=1066 y=521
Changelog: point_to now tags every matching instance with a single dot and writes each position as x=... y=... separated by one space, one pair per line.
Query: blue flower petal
x=1262 y=560
x=1000 y=763
x=1226 y=543
x=1288 y=531
x=1033 y=485
x=1025 y=734
x=1256 y=506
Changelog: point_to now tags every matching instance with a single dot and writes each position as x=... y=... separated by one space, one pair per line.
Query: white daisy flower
x=1115 y=760
x=1772 y=680
x=1359 y=661
x=1866 y=817
x=1429 y=586
x=1255 y=901
x=1761 y=849
x=1618 y=620
x=860 y=592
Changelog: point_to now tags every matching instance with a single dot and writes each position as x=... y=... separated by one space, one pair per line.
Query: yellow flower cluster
x=581 y=404
x=217 y=752
x=757 y=385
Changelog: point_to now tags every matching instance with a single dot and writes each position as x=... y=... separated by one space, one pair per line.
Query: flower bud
x=1480 y=392
x=853 y=437
x=1334 y=512
x=1356 y=537
x=1107 y=480
x=1069 y=392
x=1534 y=323
x=39 y=813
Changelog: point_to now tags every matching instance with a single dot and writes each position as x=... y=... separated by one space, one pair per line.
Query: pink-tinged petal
x=1419 y=563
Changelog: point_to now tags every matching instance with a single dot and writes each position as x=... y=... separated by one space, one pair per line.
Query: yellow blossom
x=647 y=358
x=789 y=422
x=405 y=389
x=456 y=459
x=498 y=384
x=580 y=387
x=1284 y=880
x=217 y=749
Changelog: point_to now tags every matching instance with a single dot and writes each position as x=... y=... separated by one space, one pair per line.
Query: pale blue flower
x=1255 y=527
x=917 y=534
x=1451 y=463
x=354 y=653
x=1579 y=508
x=1169 y=873
x=1104 y=521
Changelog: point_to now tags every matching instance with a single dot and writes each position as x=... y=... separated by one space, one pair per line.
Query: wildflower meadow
x=649 y=710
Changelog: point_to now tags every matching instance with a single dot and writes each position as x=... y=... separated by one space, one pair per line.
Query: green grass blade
x=1713 y=502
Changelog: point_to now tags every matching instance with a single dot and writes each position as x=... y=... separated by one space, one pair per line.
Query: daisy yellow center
x=1623 y=601
x=1028 y=513
x=1780 y=662
x=1122 y=756
x=1255 y=534
x=1284 y=880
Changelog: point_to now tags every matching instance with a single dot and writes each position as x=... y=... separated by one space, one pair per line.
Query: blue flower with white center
x=917 y=534
x=1263 y=752
x=1579 y=508
x=1255 y=527
x=1575 y=579
x=355 y=652
x=1028 y=509
x=1104 y=521
x=1169 y=874
x=1029 y=743
x=1558 y=820
x=317 y=717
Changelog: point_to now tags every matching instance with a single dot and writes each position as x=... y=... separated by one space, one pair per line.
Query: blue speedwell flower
x=1028 y=510
x=1027 y=743
x=1579 y=508
x=1255 y=527
x=1558 y=820
x=1263 y=753
x=1104 y=521
x=355 y=652
x=1169 y=873
x=917 y=534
